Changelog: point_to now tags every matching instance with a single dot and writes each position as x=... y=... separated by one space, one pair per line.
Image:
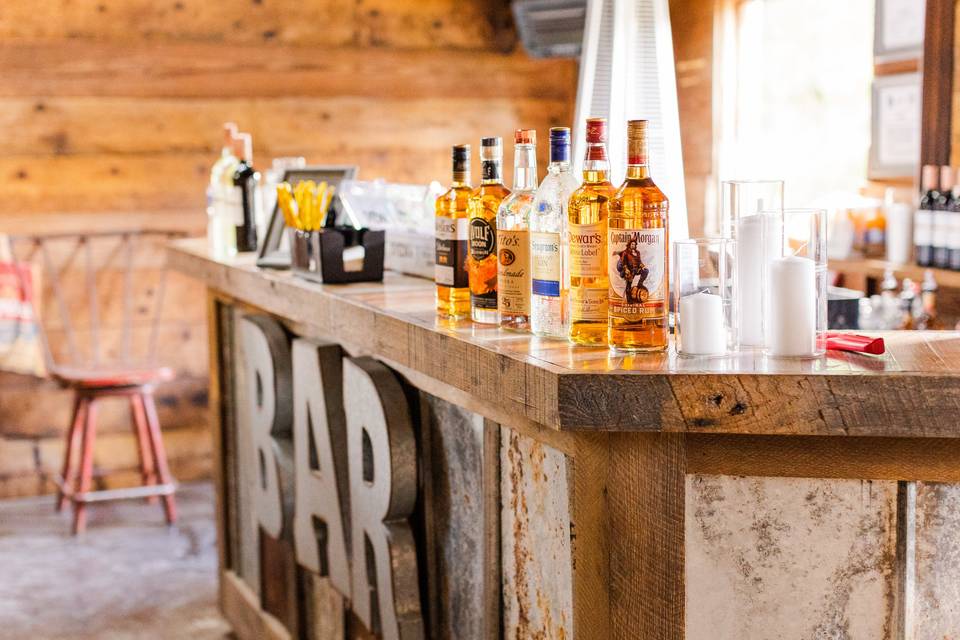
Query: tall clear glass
x=703 y=274
x=797 y=300
x=752 y=212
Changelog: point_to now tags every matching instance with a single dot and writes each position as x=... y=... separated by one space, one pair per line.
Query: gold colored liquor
x=637 y=248
x=453 y=289
x=482 y=256
x=587 y=241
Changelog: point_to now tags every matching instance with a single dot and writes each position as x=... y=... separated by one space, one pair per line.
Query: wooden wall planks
x=111 y=110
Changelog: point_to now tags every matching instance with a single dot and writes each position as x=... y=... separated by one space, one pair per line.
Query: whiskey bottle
x=450 y=273
x=923 y=221
x=637 y=243
x=587 y=241
x=245 y=179
x=941 y=219
x=513 y=236
x=482 y=259
x=550 y=276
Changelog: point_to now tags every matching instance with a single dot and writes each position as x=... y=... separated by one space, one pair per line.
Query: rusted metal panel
x=461 y=561
x=937 y=578
x=535 y=531
x=808 y=558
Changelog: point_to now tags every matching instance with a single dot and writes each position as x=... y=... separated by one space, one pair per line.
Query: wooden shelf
x=874 y=268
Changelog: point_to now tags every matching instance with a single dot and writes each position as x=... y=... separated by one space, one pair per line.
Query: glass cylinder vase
x=751 y=215
x=702 y=271
x=797 y=294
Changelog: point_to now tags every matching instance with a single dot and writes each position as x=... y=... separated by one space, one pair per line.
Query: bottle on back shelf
x=451 y=240
x=482 y=258
x=907 y=296
x=513 y=235
x=549 y=273
x=221 y=236
x=953 y=229
x=926 y=316
x=923 y=221
x=637 y=252
x=245 y=179
x=587 y=245
x=942 y=217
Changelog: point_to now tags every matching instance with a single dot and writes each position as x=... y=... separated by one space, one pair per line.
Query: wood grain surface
x=911 y=391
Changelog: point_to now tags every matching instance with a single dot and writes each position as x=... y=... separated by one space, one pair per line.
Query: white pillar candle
x=701 y=325
x=751 y=256
x=793 y=307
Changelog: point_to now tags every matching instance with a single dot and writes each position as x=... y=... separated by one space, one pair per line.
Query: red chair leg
x=68 y=474
x=86 y=465
x=148 y=469
x=159 y=454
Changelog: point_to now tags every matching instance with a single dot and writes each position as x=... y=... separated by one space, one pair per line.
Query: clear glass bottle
x=221 y=234
x=513 y=236
x=550 y=276
x=587 y=244
x=638 y=254
x=482 y=258
x=451 y=220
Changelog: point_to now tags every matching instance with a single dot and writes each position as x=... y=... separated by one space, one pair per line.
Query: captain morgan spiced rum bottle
x=587 y=241
x=450 y=275
x=637 y=241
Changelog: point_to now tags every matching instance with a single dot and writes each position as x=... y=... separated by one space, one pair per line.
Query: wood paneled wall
x=110 y=114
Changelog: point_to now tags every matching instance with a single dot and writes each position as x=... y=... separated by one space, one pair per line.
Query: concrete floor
x=130 y=577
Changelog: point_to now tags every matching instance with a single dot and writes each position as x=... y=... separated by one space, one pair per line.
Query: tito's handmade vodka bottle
x=587 y=233
x=637 y=243
x=513 y=236
x=453 y=291
x=550 y=277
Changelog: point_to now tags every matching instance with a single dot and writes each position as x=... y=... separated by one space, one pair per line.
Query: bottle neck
x=460 y=180
x=492 y=171
x=558 y=166
x=637 y=162
x=524 y=167
x=596 y=166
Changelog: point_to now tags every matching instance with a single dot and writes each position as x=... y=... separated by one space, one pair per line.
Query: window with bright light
x=795 y=81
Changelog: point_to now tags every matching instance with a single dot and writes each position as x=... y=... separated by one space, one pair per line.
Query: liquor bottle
x=221 y=235
x=453 y=286
x=923 y=222
x=550 y=276
x=513 y=235
x=941 y=219
x=926 y=318
x=637 y=243
x=482 y=260
x=245 y=179
x=587 y=241
x=953 y=234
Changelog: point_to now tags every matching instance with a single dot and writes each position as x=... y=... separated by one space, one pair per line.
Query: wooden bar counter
x=507 y=486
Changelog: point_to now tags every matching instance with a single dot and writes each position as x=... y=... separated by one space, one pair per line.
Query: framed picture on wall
x=274 y=252
x=895 y=127
x=898 y=29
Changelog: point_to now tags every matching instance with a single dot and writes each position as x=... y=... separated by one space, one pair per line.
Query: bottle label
x=545 y=264
x=451 y=252
x=953 y=236
x=923 y=228
x=637 y=270
x=513 y=274
x=483 y=264
x=587 y=250
x=941 y=225
x=490 y=170
x=588 y=303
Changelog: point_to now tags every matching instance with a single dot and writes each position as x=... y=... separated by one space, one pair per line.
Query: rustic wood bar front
x=382 y=473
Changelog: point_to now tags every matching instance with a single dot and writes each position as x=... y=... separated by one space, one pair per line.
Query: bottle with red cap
x=513 y=236
x=587 y=241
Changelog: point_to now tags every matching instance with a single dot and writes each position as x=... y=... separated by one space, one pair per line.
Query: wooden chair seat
x=110 y=377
